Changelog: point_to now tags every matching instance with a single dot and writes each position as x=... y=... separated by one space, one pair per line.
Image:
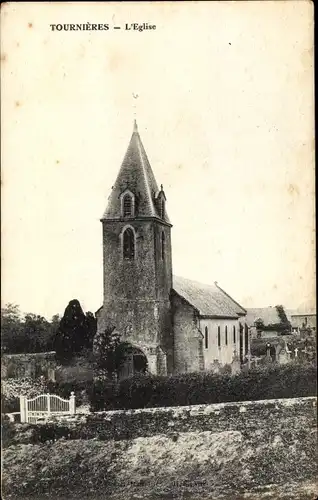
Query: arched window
x=226 y=335
x=219 y=336
x=129 y=244
x=234 y=335
x=162 y=208
x=163 y=244
x=127 y=205
x=206 y=337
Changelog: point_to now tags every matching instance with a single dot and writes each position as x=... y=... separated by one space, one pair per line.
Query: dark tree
x=259 y=324
x=72 y=333
x=91 y=327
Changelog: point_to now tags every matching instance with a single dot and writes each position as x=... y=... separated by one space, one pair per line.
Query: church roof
x=209 y=300
x=136 y=176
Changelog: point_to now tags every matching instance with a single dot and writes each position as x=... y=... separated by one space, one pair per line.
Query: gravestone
x=268 y=358
x=215 y=366
x=235 y=365
x=283 y=356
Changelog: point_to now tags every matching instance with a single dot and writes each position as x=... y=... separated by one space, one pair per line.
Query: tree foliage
x=29 y=333
x=283 y=326
x=105 y=351
x=25 y=333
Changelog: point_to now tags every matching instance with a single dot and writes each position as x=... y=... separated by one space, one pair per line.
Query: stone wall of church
x=143 y=324
x=146 y=277
x=136 y=292
x=187 y=337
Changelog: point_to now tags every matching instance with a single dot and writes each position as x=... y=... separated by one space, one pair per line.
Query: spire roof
x=135 y=175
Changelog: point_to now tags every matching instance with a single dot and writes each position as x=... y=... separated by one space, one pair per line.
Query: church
x=166 y=324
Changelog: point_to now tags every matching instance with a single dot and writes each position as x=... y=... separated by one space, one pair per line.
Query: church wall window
x=128 y=244
x=206 y=337
x=234 y=335
x=246 y=338
x=163 y=245
x=219 y=336
x=226 y=335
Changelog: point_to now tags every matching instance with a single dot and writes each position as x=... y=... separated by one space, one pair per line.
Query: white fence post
x=72 y=403
x=23 y=416
x=48 y=405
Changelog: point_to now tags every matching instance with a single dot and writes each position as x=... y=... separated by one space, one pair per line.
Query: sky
x=225 y=113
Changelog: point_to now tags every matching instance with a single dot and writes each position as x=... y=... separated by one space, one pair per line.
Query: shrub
x=9 y=405
x=13 y=388
x=81 y=388
x=264 y=382
x=79 y=369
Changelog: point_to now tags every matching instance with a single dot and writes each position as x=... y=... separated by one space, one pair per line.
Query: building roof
x=136 y=176
x=269 y=315
x=209 y=300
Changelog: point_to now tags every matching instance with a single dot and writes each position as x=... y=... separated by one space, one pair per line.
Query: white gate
x=41 y=407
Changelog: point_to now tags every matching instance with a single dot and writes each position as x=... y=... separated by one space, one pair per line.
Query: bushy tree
x=37 y=330
x=13 y=338
x=105 y=351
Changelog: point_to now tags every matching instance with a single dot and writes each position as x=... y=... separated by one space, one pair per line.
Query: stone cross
x=135 y=96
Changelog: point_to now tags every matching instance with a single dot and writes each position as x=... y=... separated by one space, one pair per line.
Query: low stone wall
x=251 y=418
x=230 y=450
x=28 y=365
x=259 y=420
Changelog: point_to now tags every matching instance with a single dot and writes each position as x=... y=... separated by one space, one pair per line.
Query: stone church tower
x=137 y=265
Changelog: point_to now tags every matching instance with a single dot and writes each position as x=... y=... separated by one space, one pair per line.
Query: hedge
x=267 y=382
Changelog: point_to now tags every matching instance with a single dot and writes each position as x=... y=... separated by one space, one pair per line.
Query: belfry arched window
x=163 y=245
x=128 y=244
x=127 y=206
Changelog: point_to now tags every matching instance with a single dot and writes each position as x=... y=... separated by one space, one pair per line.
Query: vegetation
x=306 y=346
x=29 y=333
x=283 y=326
x=75 y=333
x=106 y=352
x=26 y=333
x=265 y=382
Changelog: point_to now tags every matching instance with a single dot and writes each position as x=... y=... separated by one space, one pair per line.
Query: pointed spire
x=136 y=176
